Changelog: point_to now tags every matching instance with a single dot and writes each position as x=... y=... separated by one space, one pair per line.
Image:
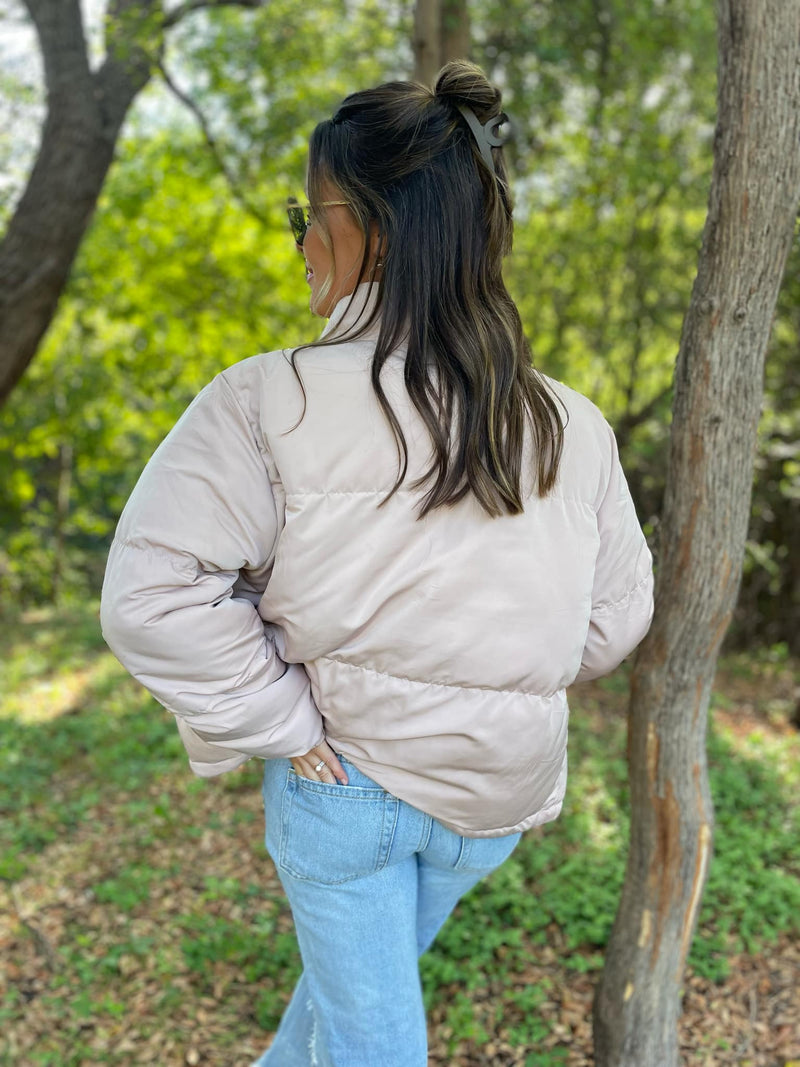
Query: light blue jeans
x=370 y=881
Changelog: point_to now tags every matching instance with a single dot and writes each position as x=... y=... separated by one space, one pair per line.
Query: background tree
x=441 y=33
x=755 y=193
x=85 y=112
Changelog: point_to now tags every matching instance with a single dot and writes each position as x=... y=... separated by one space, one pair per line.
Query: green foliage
x=268 y=77
x=266 y=958
x=122 y=362
x=184 y=273
x=211 y=939
x=753 y=890
x=127 y=890
x=615 y=109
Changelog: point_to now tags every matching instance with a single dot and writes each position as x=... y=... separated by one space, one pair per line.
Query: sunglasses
x=300 y=218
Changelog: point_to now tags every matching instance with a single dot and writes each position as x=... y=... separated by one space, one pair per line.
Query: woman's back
x=437 y=642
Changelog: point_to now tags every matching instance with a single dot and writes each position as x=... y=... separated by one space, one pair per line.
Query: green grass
x=160 y=896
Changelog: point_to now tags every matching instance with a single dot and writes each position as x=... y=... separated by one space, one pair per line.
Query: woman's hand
x=320 y=765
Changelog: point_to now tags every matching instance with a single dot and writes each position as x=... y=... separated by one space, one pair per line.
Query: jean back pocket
x=332 y=833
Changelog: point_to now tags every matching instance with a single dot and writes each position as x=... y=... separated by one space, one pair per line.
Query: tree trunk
x=85 y=111
x=755 y=192
x=441 y=33
x=427 y=40
x=455 y=30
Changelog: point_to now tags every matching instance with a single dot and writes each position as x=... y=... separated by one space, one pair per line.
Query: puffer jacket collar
x=354 y=310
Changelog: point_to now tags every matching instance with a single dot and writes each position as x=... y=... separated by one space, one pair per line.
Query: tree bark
x=755 y=193
x=441 y=33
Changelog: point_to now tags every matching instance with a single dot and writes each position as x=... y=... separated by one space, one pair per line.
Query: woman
x=377 y=562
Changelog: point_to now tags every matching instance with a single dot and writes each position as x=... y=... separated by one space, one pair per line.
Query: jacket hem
x=546 y=815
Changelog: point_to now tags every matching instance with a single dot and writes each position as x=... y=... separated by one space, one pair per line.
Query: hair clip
x=486 y=136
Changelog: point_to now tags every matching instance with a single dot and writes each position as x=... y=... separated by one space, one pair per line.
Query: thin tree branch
x=233 y=183
x=172 y=18
x=134 y=39
x=41 y=939
x=602 y=17
x=630 y=420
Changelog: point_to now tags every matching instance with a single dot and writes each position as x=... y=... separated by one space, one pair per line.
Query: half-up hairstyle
x=406 y=161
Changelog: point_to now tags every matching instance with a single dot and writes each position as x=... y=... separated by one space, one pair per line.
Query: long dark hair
x=405 y=160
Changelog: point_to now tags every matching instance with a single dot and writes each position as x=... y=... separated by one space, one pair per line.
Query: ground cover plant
x=143 y=922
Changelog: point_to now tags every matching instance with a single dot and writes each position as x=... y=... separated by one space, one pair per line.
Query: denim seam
x=464 y=853
x=427 y=828
x=330 y=789
x=285 y=800
x=388 y=840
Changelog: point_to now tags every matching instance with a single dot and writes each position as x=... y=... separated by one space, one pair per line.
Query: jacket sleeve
x=622 y=592
x=201 y=522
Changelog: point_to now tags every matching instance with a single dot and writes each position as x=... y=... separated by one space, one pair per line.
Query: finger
x=305 y=766
x=324 y=758
x=332 y=764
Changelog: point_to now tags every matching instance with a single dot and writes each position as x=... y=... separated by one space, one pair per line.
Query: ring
x=320 y=765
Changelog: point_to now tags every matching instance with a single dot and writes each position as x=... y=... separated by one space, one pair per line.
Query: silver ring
x=320 y=765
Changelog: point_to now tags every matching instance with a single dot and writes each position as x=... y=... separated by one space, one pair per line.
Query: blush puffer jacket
x=258 y=591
